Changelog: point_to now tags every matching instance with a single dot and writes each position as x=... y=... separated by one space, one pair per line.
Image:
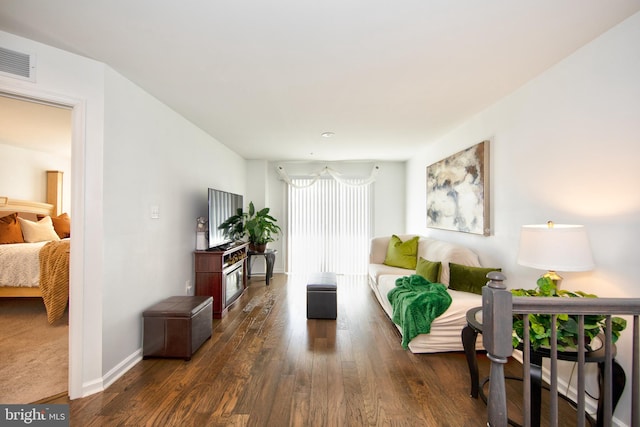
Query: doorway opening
x=74 y=203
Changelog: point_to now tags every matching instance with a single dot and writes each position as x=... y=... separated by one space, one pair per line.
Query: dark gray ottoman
x=177 y=326
x=322 y=296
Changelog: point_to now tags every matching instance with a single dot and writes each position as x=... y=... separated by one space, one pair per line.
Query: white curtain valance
x=314 y=176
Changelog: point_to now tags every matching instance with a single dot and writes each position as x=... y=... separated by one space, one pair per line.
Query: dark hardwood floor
x=267 y=365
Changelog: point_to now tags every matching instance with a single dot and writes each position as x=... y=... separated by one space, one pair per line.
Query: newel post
x=496 y=336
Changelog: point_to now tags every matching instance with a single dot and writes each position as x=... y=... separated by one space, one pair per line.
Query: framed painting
x=458 y=191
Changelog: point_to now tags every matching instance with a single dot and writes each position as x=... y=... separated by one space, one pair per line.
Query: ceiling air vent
x=17 y=65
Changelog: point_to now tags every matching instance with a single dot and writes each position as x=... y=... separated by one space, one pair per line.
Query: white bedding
x=20 y=264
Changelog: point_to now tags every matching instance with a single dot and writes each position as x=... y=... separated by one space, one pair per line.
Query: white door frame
x=76 y=270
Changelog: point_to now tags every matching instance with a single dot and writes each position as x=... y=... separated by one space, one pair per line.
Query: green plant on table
x=260 y=227
x=567 y=326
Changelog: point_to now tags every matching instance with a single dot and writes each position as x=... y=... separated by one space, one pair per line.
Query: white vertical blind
x=329 y=226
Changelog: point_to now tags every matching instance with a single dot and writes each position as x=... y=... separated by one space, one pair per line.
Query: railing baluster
x=608 y=361
x=581 y=362
x=497 y=301
x=526 y=371
x=635 y=372
x=497 y=326
x=553 y=390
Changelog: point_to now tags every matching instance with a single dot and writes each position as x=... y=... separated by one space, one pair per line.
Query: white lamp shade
x=559 y=248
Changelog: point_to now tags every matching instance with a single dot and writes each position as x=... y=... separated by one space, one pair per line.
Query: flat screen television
x=222 y=205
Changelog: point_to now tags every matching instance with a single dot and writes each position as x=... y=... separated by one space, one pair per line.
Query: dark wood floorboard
x=267 y=365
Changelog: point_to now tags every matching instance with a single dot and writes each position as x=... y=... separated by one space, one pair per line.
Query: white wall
x=390 y=199
x=152 y=157
x=129 y=152
x=563 y=148
x=23 y=174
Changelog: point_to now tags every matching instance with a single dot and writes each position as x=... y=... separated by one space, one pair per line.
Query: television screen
x=222 y=205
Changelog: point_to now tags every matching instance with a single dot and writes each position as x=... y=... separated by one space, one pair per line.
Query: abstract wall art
x=458 y=191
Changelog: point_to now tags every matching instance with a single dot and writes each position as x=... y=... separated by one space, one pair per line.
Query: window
x=329 y=226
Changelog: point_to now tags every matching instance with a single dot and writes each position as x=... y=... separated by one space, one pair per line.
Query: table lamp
x=554 y=247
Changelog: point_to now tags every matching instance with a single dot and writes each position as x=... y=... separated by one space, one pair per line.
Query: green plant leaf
x=546 y=286
x=586 y=295
x=260 y=227
x=618 y=323
x=567 y=326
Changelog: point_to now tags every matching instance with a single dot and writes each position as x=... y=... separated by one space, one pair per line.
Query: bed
x=34 y=254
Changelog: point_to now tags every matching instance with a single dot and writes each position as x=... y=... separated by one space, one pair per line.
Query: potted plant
x=260 y=228
x=567 y=326
x=233 y=227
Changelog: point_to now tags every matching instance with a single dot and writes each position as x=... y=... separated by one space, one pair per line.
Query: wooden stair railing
x=498 y=308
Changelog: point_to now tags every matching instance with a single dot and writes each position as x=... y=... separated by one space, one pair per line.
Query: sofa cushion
x=468 y=279
x=377 y=270
x=402 y=254
x=445 y=329
x=446 y=252
x=430 y=270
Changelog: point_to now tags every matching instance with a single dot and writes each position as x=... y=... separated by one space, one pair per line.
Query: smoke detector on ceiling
x=17 y=64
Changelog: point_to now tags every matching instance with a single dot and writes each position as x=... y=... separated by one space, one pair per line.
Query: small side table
x=474 y=327
x=270 y=259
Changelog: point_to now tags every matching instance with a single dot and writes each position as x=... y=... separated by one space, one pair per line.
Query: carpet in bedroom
x=34 y=354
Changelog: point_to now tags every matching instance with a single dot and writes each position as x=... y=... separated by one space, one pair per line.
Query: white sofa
x=446 y=329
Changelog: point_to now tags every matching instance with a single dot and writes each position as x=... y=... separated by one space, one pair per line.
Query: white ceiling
x=266 y=78
x=35 y=126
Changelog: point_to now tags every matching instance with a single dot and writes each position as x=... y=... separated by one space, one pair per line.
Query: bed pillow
x=402 y=254
x=430 y=270
x=38 y=231
x=468 y=279
x=10 y=231
x=61 y=223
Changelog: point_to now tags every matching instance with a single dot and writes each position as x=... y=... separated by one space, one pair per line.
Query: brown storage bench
x=177 y=326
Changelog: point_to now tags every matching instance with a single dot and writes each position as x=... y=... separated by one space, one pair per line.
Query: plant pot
x=258 y=248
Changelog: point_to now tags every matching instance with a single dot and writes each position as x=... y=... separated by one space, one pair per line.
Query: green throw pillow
x=430 y=270
x=402 y=254
x=468 y=279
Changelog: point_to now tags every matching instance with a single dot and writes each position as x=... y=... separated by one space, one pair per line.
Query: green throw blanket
x=416 y=303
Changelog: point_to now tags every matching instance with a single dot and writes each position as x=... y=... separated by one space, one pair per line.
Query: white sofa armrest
x=378 y=249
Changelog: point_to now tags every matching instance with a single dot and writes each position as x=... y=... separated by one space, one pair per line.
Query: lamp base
x=555 y=277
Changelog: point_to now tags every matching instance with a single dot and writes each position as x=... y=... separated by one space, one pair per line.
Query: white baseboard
x=92 y=387
x=119 y=370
